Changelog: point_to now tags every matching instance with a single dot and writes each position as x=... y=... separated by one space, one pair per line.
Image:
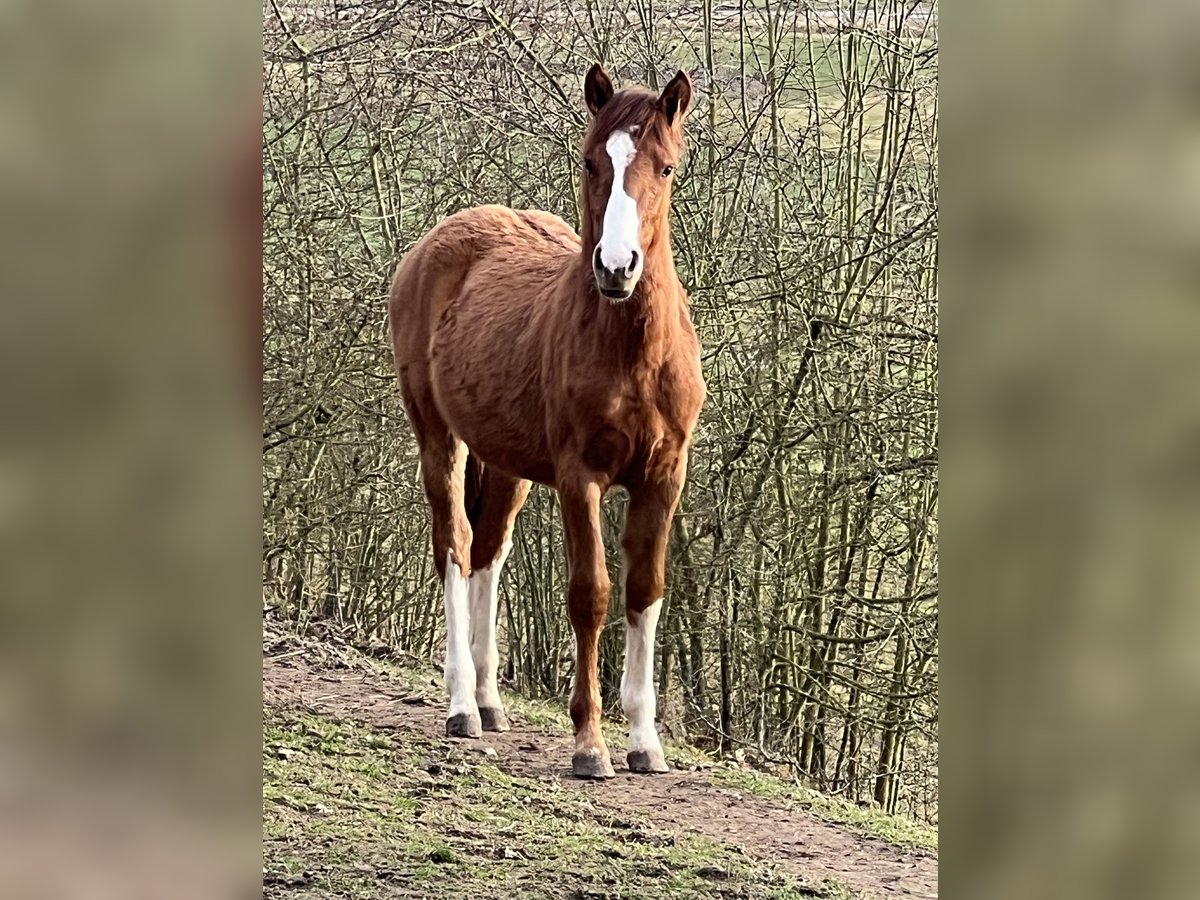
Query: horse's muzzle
x=617 y=285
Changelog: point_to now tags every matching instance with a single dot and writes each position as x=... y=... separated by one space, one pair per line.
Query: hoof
x=592 y=764
x=464 y=725
x=647 y=761
x=493 y=718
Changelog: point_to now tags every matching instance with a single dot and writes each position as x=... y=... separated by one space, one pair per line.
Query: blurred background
x=1071 y=234
x=128 y=467
x=800 y=624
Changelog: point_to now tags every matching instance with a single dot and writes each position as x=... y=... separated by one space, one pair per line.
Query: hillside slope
x=364 y=797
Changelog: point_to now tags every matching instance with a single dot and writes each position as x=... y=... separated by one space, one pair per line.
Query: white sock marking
x=485 y=603
x=460 y=670
x=637 y=680
x=622 y=226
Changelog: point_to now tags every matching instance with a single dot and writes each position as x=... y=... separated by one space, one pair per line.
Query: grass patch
x=894 y=829
x=353 y=812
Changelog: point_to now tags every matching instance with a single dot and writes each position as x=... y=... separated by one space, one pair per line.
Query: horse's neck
x=644 y=327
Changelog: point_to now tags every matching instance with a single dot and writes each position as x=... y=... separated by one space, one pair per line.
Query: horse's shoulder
x=681 y=380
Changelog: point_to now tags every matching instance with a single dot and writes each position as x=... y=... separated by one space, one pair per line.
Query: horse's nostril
x=621 y=271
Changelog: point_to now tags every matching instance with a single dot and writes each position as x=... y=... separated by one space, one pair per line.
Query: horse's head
x=629 y=155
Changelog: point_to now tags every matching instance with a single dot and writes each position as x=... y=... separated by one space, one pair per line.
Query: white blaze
x=460 y=670
x=637 y=681
x=619 y=240
x=485 y=593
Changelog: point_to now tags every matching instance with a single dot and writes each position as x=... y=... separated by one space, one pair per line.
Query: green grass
x=353 y=812
x=894 y=829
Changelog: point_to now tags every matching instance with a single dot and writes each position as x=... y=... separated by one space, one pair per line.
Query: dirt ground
x=307 y=676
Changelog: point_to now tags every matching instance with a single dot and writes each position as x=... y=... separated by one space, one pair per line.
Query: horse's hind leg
x=587 y=600
x=443 y=468
x=492 y=514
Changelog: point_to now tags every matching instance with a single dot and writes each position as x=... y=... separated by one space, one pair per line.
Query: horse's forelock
x=627 y=109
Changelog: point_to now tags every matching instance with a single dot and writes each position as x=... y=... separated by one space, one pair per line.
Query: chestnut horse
x=529 y=353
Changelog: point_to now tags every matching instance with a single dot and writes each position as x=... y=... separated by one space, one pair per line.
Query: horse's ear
x=597 y=88
x=676 y=97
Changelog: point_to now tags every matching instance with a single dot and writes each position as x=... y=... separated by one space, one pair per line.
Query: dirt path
x=304 y=676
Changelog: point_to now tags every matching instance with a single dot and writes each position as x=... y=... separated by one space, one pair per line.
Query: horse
x=529 y=353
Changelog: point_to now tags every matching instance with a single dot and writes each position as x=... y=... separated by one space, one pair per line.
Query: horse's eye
x=667 y=170
x=588 y=167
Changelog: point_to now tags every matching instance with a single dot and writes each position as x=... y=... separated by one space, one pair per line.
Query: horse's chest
x=633 y=437
x=632 y=424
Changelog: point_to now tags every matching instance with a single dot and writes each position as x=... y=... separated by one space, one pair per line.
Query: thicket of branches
x=801 y=616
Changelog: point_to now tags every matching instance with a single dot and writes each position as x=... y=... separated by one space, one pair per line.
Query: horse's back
x=483 y=244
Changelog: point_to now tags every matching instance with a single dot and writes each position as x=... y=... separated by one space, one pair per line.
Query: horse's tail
x=473 y=487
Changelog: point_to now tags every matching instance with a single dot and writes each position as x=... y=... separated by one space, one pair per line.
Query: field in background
x=800 y=626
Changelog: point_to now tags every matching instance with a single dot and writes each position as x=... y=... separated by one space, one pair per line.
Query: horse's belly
x=488 y=399
x=518 y=464
x=501 y=433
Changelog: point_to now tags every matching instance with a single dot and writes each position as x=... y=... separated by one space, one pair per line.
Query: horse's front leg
x=588 y=601
x=645 y=542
